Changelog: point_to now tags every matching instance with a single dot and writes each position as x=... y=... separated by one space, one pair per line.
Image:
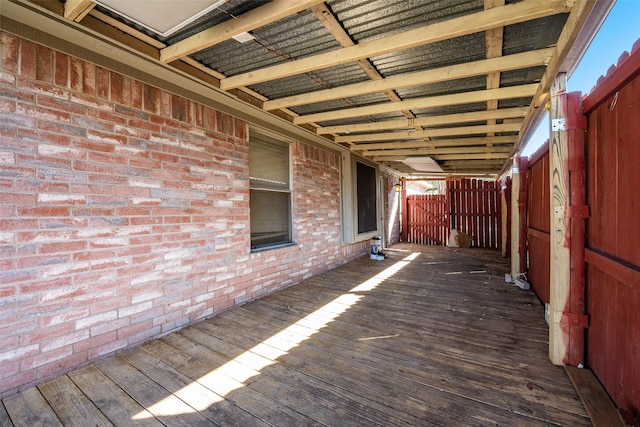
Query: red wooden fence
x=613 y=233
x=474 y=208
x=427 y=219
x=538 y=223
x=471 y=206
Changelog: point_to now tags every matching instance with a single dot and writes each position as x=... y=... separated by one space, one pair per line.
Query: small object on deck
x=601 y=410
x=522 y=284
x=464 y=240
x=376 y=249
x=453 y=238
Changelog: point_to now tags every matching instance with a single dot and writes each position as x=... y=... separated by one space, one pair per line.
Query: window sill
x=268 y=248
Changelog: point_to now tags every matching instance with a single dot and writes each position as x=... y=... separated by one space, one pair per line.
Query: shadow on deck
x=429 y=336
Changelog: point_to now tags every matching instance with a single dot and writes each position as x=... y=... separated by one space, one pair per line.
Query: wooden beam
x=518 y=217
x=456 y=27
x=471 y=164
x=459 y=71
x=493 y=41
x=478 y=156
x=75 y=10
x=126 y=29
x=474 y=116
x=430 y=133
x=436 y=151
x=421 y=103
x=446 y=157
x=436 y=143
x=576 y=20
x=266 y=14
x=560 y=272
x=328 y=19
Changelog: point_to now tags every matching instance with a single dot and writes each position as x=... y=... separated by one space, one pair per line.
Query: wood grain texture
x=597 y=403
x=559 y=226
x=430 y=336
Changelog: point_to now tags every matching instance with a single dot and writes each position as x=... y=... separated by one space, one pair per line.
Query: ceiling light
x=161 y=16
x=243 y=37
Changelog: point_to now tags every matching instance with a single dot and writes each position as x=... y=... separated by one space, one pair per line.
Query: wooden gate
x=469 y=205
x=427 y=219
x=612 y=252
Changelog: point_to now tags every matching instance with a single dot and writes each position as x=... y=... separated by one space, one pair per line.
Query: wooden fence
x=612 y=248
x=612 y=233
x=427 y=219
x=470 y=206
x=539 y=223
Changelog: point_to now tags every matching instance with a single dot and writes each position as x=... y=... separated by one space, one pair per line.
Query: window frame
x=350 y=233
x=268 y=137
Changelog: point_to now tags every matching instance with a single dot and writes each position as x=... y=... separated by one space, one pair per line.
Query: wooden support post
x=506 y=218
x=578 y=214
x=567 y=181
x=403 y=211
x=518 y=218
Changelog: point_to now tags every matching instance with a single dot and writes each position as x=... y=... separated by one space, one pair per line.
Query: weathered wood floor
x=431 y=339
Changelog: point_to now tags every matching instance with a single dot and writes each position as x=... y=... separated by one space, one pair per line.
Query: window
x=366 y=196
x=270 y=192
x=360 y=195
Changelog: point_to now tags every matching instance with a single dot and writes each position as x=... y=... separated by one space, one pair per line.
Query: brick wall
x=124 y=214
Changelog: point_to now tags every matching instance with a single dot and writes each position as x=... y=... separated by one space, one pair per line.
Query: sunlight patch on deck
x=233 y=374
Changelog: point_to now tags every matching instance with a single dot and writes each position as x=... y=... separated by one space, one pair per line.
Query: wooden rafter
x=420 y=103
x=474 y=116
x=575 y=22
x=431 y=133
x=436 y=151
x=453 y=142
x=446 y=157
x=248 y=21
x=328 y=19
x=75 y=10
x=453 y=72
x=469 y=24
x=493 y=41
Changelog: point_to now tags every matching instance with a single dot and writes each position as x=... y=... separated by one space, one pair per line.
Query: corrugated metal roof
x=337 y=24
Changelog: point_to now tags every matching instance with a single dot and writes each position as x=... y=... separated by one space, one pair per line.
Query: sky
x=618 y=33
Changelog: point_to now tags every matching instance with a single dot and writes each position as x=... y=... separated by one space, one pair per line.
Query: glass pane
x=270 y=218
x=366 y=190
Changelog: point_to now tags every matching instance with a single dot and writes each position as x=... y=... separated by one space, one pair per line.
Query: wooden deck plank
x=70 y=404
x=112 y=401
x=161 y=403
x=319 y=387
x=5 y=421
x=468 y=382
x=438 y=339
x=348 y=372
x=260 y=406
x=284 y=388
x=208 y=403
x=30 y=409
x=601 y=409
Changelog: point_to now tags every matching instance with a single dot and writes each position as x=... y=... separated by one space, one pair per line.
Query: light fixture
x=397 y=187
x=161 y=17
x=243 y=37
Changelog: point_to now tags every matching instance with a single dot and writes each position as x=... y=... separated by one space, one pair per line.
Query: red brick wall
x=124 y=214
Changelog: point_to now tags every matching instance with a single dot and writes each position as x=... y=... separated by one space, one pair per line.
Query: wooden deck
x=429 y=336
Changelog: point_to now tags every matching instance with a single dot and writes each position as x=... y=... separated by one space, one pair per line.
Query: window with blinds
x=270 y=192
